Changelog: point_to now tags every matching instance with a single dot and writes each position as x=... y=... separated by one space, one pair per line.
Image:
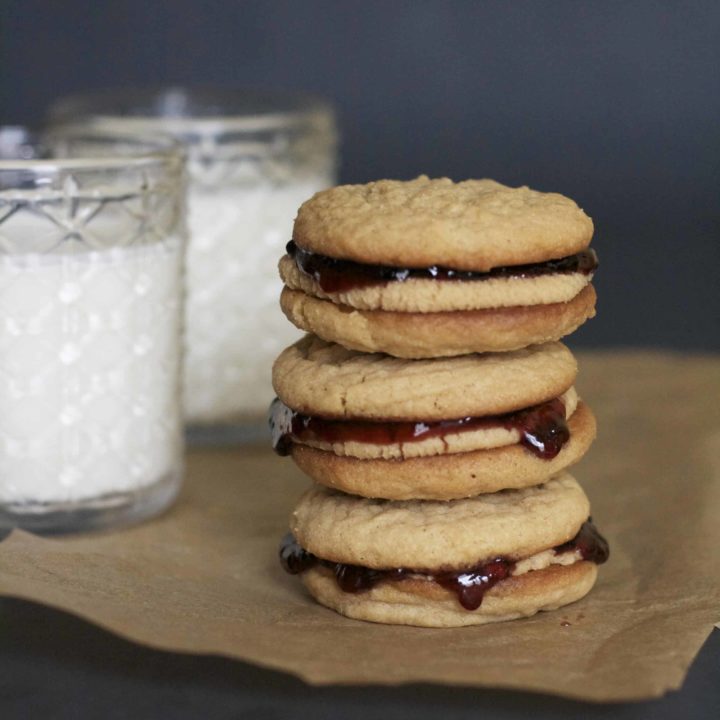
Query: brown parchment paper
x=204 y=577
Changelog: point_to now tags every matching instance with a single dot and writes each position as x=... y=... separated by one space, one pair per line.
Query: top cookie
x=471 y=225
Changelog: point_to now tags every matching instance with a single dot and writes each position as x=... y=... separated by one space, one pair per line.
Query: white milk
x=234 y=325
x=88 y=372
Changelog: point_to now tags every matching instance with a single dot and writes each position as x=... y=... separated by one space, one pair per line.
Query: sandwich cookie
x=383 y=427
x=431 y=268
x=441 y=564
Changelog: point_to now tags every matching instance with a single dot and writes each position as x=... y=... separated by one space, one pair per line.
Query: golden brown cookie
x=435 y=534
x=365 y=424
x=446 y=477
x=315 y=377
x=483 y=559
x=433 y=268
x=471 y=225
x=426 y=604
x=439 y=334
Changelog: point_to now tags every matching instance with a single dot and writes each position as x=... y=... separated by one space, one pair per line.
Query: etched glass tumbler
x=253 y=159
x=91 y=257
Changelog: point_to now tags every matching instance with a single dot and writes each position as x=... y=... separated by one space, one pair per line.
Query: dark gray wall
x=614 y=103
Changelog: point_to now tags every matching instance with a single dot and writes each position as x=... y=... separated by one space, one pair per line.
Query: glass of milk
x=253 y=158
x=91 y=263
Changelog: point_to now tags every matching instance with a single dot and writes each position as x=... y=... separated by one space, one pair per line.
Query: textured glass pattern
x=252 y=157
x=234 y=327
x=242 y=202
x=90 y=320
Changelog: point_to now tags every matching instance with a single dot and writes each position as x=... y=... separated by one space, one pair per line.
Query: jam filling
x=469 y=585
x=335 y=275
x=543 y=429
x=589 y=542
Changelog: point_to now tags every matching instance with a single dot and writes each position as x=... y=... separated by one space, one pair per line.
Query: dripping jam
x=335 y=275
x=589 y=543
x=469 y=585
x=543 y=428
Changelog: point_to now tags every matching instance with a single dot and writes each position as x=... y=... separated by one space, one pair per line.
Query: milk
x=252 y=159
x=234 y=326
x=88 y=372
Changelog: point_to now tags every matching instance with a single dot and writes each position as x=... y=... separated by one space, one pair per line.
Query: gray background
x=616 y=104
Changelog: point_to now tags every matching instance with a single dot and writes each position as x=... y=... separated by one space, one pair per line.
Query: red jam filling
x=335 y=275
x=543 y=429
x=469 y=585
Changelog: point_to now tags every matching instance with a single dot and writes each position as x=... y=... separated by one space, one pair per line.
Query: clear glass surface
x=91 y=259
x=253 y=158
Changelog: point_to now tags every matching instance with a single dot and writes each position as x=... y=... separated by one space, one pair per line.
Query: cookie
x=446 y=477
x=438 y=334
x=433 y=268
x=473 y=225
x=484 y=559
x=315 y=377
x=439 y=535
x=378 y=426
x=426 y=604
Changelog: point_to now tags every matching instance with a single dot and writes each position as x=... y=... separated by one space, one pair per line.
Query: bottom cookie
x=439 y=334
x=424 y=603
x=492 y=557
x=449 y=476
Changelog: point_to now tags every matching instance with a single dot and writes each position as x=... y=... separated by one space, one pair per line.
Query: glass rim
x=153 y=150
x=174 y=109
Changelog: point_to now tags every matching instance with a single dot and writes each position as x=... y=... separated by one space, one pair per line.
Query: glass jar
x=91 y=258
x=253 y=158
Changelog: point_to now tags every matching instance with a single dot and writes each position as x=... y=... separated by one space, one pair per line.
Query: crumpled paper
x=204 y=578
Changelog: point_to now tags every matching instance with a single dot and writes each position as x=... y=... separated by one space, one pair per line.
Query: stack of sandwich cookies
x=433 y=403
